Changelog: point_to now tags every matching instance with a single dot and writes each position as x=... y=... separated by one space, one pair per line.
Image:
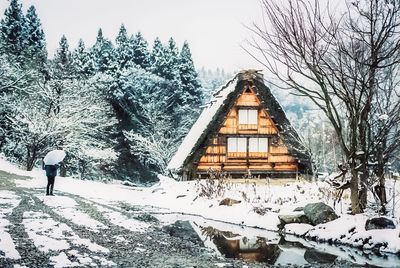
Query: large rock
x=314 y=256
x=229 y=202
x=319 y=213
x=292 y=218
x=184 y=231
x=379 y=223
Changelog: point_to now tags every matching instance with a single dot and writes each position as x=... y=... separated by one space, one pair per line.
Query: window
x=237 y=145
x=258 y=145
x=248 y=117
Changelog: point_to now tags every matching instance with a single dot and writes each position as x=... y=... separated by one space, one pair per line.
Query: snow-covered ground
x=172 y=197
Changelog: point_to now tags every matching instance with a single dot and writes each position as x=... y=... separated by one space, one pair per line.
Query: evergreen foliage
x=103 y=54
x=119 y=111
x=123 y=50
x=12 y=29
x=35 y=40
x=191 y=88
x=141 y=54
x=82 y=60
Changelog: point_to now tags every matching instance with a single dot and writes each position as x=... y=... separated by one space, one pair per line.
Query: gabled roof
x=214 y=114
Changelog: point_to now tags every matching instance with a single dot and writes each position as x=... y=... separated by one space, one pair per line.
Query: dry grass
x=274 y=182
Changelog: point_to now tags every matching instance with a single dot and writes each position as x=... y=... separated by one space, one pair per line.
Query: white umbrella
x=54 y=157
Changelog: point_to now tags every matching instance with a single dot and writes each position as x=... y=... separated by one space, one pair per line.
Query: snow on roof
x=201 y=124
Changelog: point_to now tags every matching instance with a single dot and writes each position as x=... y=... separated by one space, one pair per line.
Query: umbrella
x=54 y=157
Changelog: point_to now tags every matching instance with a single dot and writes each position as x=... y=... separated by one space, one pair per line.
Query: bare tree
x=338 y=62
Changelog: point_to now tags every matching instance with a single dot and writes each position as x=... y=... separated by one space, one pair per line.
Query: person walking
x=51 y=164
x=51 y=173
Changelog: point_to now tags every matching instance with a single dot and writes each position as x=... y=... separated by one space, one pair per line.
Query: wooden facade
x=248 y=134
x=277 y=158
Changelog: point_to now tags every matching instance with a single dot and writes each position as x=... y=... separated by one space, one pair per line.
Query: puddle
x=258 y=245
x=275 y=249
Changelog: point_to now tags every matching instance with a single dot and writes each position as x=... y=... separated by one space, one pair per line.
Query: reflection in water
x=277 y=251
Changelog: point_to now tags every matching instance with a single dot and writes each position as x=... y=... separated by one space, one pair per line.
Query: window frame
x=250 y=119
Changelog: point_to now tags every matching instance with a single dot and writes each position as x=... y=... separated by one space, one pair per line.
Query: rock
x=314 y=256
x=318 y=213
x=292 y=218
x=379 y=223
x=299 y=209
x=184 y=231
x=229 y=202
x=180 y=196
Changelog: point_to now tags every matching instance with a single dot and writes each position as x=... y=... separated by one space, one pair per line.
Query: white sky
x=215 y=29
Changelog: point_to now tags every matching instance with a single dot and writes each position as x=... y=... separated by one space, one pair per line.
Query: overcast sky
x=215 y=29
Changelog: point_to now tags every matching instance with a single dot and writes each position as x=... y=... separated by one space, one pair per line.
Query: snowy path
x=71 y=231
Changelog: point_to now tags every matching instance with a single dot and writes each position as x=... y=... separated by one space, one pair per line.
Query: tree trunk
x=380 y=189
x=354 y=194
x=30 y=159
x=63 y=170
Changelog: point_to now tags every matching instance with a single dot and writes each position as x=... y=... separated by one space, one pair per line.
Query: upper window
x=248 y=117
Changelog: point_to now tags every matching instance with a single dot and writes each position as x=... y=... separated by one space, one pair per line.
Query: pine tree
x=35 y=40
x=191 y=88
x=141 y=54
x=103 y=54
x=62 y=56
x=82 y=62
x=158 y=63
x=12 y=28
x=172 y=61
x=124 y=53
x=164 y=60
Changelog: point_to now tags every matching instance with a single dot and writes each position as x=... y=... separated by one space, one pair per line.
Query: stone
x=314 y=256
x=379 y=223
x=184 y=231
x=299 y=209
x=229 y=202
x=292 y=218
x=318 y=213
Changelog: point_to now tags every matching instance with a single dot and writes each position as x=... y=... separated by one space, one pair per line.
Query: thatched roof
x=213 y=116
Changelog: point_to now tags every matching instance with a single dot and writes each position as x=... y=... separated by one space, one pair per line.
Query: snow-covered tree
x=82 y=61
x=12 y=30
x=123 y=50
x=141 y=54
x=103 y=54
x=191 y=88
x=164 y=60
x=35 y=43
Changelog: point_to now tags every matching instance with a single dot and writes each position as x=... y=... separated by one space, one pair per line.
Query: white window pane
x=241 y=145
x=263 y=145
x=252 y=117
x=232 y=145
x=242 y=116
x=253 y=145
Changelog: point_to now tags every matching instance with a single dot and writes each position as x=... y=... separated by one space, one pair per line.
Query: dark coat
x=51 y=170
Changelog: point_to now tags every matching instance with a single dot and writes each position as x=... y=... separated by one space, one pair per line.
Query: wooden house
x=243 y=130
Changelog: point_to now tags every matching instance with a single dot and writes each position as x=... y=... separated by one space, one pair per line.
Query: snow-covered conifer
x=12 y=28
x=35 y=40
x=141 y=54
x=191 y=88
x=123 y=50
x=103 y=53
